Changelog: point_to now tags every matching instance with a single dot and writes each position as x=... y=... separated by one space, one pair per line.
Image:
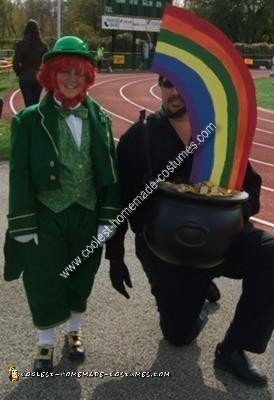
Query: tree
x=79 y=17
x=6 y=21
x=242 y=20
x=82 y=17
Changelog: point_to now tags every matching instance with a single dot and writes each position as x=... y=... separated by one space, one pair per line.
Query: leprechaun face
x=70 y=82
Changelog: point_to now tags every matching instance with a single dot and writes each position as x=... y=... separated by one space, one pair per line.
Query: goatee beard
x=173 y=114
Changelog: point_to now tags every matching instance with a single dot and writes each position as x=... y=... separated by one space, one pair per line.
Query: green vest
x=76 y=172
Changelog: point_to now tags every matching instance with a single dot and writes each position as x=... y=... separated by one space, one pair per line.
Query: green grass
x=8 y=81
x=4 y=139
x=265 y=92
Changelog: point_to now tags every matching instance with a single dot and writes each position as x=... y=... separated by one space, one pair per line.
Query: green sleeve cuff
x=108 y=213
x=22 y=224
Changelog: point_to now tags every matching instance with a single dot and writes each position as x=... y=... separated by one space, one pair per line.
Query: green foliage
x=8 y=81
x=4 y=139
x=123 y=42
x=79 y=17
x=248 y=21
x=265 y=92
x=255 y=48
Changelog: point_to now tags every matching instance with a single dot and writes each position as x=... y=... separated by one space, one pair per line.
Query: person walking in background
x=27 y=60
x=100 y=56
x=145 y=54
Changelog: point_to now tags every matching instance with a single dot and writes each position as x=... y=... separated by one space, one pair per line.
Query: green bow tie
x=80 y=112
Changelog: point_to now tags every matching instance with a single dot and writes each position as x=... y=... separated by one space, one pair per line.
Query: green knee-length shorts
x=62 y=237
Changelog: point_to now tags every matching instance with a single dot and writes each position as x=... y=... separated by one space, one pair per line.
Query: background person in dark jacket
x=27 y=60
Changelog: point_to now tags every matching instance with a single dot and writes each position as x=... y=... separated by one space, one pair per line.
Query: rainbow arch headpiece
x=217 y=88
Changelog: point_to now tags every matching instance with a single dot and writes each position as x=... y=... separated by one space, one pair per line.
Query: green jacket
x=34 y=165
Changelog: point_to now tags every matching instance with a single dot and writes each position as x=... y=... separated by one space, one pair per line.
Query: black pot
x=193 y=230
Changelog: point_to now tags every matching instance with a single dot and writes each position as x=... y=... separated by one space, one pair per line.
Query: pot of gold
x=193 y=225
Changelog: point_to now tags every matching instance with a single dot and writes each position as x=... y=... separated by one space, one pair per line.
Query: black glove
x=119 y=275
x=213 y=293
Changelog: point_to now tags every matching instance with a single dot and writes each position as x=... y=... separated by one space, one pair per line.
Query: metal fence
x=255 y=60
x=125 y=61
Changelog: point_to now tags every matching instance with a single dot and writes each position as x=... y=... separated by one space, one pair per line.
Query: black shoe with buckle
x=74 y=341
x=238 y=364
x=43 y=359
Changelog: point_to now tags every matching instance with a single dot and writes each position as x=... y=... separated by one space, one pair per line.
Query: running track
x=123 y=95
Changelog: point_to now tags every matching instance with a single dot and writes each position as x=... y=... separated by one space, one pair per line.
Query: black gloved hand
x=119 y=276
x=213 y=293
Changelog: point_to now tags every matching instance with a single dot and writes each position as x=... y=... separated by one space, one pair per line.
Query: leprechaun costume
x=63 y=186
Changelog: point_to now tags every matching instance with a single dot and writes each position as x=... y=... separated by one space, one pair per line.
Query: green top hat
x=71 y=45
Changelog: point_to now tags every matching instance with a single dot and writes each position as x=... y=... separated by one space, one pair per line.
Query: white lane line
x=267 y=189
x=265 y=131
x=12 y=99
x=118 y=116
x=108 y=81
x=262 y=162
x=130 y=101
x=264 y=145
x=122 y=76
x=266 y=120
x=262 y=222
x=153 y=93
x=265 y=110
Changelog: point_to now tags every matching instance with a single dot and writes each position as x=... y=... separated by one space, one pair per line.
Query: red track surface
x=123 y=95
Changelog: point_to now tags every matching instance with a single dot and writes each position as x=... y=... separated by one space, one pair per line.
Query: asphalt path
x=123 y=336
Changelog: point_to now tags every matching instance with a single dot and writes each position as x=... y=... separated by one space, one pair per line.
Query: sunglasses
x=167 y=84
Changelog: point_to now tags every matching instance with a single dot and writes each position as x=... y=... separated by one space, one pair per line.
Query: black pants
x=99 y=64
x=31 y=91
x=180 y=292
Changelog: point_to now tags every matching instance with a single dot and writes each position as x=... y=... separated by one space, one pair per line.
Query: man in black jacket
x=180 y=293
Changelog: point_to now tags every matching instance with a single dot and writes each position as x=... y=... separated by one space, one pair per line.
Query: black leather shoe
x=74 y=341
x=238 y=364
x=43 y=359
x=213 y=293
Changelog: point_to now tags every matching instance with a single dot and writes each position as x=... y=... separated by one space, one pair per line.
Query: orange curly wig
x=48 y=70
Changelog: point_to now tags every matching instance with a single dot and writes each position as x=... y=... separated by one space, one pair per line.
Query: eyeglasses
x=167 y=84
x=71 y=73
